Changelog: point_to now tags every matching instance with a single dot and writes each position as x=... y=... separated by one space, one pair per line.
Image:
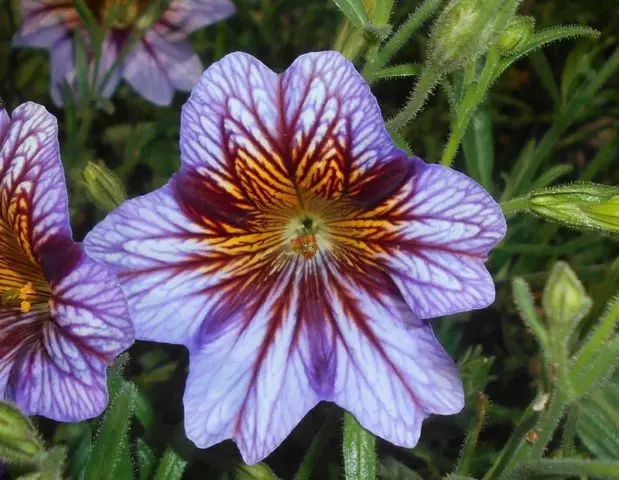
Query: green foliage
x=358 y=451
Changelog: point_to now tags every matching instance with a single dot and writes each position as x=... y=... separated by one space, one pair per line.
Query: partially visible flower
x=297 y=254
x=63 y=316
x=163 y=61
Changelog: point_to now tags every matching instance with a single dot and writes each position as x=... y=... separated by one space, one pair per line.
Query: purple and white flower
x=297 y=254
x=63 y=316
x=161 y=62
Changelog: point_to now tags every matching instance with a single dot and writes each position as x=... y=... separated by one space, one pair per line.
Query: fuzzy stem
x=425 y=85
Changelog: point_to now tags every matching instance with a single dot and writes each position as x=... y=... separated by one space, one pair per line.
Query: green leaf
x=478 y=147
x=171 y=466
x=316 y=449
x=53 y=464
x=146 y=460
x=566 y=468
x=359 y=451
x=399 y=71
x=111 y=447
x=382 y=11
x=542 y=38
x=522 y=167
x=392 y=469
x=552 y=175
x=542 y=68
x=19 y=441
x=598 y=422
x=354 y=11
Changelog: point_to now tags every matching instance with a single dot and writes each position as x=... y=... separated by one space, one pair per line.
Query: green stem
x=423 y=89
x=513 y=443
x=545 y=428
x=399 y=38
x=514 y=206
x=472 y=98
x=472 y=437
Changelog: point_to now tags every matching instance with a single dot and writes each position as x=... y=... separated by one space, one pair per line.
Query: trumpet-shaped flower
x=297 y=254
x=161 y=62
x=63 y=316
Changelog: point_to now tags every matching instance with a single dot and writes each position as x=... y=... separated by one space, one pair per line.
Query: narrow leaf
x=478 y=147
x=544 y=37
x=316 y=449
x=542 y=68
x=598 y=422
x=399 y=71
x=111 y=444
x=354 y=11
x=551 y=175
x=171 y=466
x=358 y=450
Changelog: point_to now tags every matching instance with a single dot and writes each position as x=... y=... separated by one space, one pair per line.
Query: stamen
x=305 y=245
x=21 y=296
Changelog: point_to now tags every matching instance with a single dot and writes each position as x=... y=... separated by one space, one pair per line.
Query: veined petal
x=45 y=23
x=313 y=331
x=264 y=140
x=185 y=16
x=55 y=362
x=157 y=66
x=33 y=196
x=156 y=251
x=336 y=136
x=432 y=235
x=248 y=380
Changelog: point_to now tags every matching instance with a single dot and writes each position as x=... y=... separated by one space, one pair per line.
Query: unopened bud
x=464 y=31
x=104 y=187
x=565 y=299
x=579 y=205
x=19 y=442
x=517 y=34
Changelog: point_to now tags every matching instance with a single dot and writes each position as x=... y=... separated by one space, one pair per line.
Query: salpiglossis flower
x=161 y=62
x=63 y=316
x=297 y=254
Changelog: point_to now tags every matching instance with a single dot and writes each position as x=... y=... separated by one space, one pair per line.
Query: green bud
x=565 y=299
x=104 y=187
x=579 y=205
x=465 y=29
x=261 y=471
x=518 y=32
x=19 y=442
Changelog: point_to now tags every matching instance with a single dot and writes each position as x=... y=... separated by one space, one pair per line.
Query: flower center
x=118 y=14
x=23 y=285
x=304 y=242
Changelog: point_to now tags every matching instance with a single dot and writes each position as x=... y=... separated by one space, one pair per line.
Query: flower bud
x=19 y=442
x=464 y=31
x=518 y=32
x=104 y=187
x=565 y=299
x=579 y=205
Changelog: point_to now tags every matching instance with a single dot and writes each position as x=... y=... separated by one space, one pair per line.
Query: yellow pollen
x=13 y=296
x=305 y=245
x=26 y=290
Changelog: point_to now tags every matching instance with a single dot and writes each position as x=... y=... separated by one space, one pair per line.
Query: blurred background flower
x=140 y=41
